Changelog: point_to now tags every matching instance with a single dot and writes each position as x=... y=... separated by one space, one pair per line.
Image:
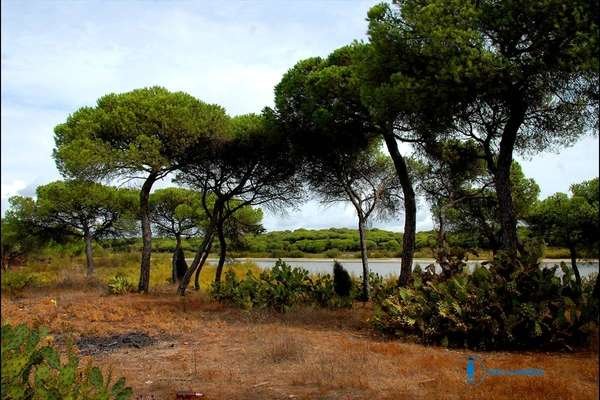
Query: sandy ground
x=227 y=353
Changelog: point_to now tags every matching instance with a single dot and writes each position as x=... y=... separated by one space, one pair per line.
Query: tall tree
x=176 y=212
x=86 y=210
x=319 y=109
x=513 y=76
x=389 y=104
x=142 y=134
x=369 y=182
x=569 y=221
x=252 y=166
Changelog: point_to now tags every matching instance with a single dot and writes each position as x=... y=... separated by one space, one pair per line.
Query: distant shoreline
x=424 y=260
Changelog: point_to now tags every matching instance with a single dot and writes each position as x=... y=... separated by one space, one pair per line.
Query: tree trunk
x=174 y=260
x=146 y=233
x=88 y=255
x=410 y=207
x=508 y=220
x=222 y=255
x=199 y=260
x=442 y=254
x=363 y=254
x=200 y=266
x=573 y=252
x=596 y=291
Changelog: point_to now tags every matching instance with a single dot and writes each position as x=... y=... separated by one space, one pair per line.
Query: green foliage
x=144 y=130
x=317 y=241
x=19 y=236
x=342 y=283
x=569 y=221
x=280 y=288
x=532 y=308
x=381 y=288
x=32 y=369
x=119 y=284
x=84 y=208
x=16 y=281
x=176 y=212
x=475 y=219
x=332 y=253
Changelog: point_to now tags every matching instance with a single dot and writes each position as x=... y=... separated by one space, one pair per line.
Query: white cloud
x=555 y=172
x=8 y=189
x=58 y=56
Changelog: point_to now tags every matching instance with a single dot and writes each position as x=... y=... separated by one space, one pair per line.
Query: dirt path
x=230 y=354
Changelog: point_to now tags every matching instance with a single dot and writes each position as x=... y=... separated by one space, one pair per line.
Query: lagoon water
x=391 y=266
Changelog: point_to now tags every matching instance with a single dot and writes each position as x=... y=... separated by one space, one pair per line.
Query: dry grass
x=231 y=354
x=56 y=273
x=281 y=347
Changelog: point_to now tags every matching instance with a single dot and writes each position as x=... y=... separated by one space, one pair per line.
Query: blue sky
x=59 y=56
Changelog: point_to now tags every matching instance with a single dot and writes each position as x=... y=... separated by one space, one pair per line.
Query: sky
x=59 y=56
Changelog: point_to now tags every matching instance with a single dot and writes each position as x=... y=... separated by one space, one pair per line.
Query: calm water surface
x=387 y=267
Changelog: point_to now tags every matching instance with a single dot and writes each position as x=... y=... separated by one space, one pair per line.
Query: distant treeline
x=331 y=242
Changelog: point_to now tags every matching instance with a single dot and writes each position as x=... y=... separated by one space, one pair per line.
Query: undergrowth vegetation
x=283 y=287
x=32 y=369
x=120 y=284
x=530 y=308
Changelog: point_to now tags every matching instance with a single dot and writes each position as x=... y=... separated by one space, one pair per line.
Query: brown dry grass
x=231 y=354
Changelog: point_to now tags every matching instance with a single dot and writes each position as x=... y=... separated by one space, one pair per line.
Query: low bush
x=332 y=253
x=381 y=288
x=297 y=254
x=32 y=369
x=530 y=308
x=120 y=285
x=278 y=288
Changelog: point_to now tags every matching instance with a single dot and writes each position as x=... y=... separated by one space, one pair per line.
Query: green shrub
x=120 y=284
x=296 y=254
x=14 y=282
x=321 y=291
x=279 y=288
x=486 y=309
x=31 y=370
x=332 y=253
x=381 y=288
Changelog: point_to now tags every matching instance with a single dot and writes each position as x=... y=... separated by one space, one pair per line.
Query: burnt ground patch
x=89 y=345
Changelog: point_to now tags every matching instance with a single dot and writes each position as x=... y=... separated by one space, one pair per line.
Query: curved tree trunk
x=88 y=255
x=363 y=254
x=200 y=266
x=198 y=262
x=508 y=219
x=573 y=253
x=410 y=207
x=222 y=254
x=146 y=233
x=174 y=260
